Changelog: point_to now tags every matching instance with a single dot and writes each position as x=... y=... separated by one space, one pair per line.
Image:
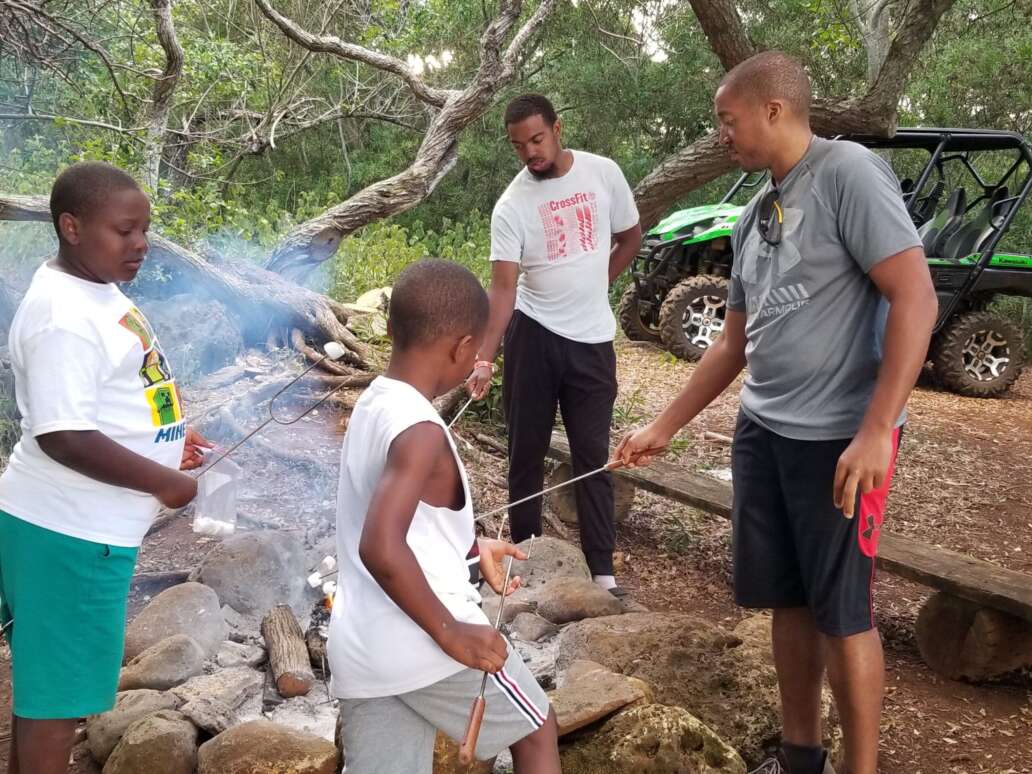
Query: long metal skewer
x=612 y=465
x=334 y=351
x=476 y=713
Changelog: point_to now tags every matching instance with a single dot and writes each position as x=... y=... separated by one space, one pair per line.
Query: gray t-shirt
x=815 y=320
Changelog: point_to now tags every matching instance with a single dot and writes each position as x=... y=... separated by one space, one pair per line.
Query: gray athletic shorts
x=395 y=734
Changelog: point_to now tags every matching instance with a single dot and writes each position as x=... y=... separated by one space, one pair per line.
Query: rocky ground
x=676 y=680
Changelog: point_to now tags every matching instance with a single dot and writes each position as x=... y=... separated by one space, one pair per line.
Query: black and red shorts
x=792 y=547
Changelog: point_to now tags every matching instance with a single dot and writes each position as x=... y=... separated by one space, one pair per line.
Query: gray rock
x=531 y=627
x=514 y=605
x=104 y=731
x=590 y=692
x=230 y=686
x=652 y=739
x=189 y=608
x=209 y=715
x=163 y=665
x=211 y=340
x=540 y=660
x=562 y=600
x=725 y=681
x=254 y=571
x=232 y=654
x=162 y=743
x=550 y=558
x=261 y=747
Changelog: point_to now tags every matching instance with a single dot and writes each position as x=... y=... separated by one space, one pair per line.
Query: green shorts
x=67 y=599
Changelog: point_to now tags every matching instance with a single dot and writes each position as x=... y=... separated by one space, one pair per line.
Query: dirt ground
x=963 y=482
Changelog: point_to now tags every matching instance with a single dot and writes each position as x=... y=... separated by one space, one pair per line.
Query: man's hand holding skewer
x=640 y=447
x=491 y=553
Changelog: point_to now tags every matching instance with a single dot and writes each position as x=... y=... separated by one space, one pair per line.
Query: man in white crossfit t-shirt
x=564 y=229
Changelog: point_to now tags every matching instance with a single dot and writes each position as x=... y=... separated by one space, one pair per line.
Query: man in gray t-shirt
x=831 y=306
x=814 y=326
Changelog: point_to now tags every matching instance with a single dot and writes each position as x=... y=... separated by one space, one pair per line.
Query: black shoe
x=778 y=765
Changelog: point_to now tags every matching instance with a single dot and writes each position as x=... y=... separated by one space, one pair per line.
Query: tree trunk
x=288 y=653
x=161 y=98
x=261 y=300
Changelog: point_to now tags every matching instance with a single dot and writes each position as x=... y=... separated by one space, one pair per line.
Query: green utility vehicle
x=963 y=189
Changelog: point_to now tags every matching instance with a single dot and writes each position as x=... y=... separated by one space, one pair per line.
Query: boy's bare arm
x=93 y=454
x=385 y=552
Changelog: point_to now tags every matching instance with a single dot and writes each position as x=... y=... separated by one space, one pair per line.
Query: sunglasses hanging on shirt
x=771 y=218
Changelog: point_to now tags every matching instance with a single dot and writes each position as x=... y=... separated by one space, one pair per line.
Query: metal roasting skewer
x=333 y=351
x=476 y=713
x=461 y=412
x=611 y=465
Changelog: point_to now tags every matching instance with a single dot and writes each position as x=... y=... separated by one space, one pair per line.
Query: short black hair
x=772 y=75
x=434 y=298
x=522 y=108
x=83 y=187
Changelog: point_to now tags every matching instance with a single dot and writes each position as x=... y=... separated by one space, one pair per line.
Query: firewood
x=288 y=653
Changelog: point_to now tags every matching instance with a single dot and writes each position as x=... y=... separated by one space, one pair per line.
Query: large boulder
x=162 y=743
x=189 y=608
x=168 y=663
x=254 y=571
x=652 y=739
x=725 y=681
x=550 y=558
x=261 y=747
x=103 y=732
x=562 y=600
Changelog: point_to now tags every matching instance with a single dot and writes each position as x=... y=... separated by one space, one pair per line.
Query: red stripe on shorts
x=872 y=516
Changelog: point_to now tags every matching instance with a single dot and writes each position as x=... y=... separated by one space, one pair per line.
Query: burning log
x=288 y=653
x=315 y=637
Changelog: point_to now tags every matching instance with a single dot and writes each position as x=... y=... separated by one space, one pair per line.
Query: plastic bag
x=215 y=506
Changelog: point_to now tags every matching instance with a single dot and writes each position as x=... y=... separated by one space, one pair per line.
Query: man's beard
x=543 y=174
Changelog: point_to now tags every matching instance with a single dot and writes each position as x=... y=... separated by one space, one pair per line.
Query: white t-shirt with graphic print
x=560 y=232
x=85 y=358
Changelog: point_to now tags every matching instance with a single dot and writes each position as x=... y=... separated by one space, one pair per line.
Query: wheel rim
x=986 y=355
x=703 y=320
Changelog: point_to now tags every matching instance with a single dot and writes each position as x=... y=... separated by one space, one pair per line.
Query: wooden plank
x=939 y=568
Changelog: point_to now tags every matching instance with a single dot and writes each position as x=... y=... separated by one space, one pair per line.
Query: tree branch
x=724 y=30
x=331 y=44
x=317 y=240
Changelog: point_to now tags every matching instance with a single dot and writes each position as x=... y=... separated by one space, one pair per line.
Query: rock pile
x=633 y=691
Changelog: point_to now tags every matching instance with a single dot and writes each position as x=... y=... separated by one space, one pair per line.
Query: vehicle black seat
x=925 y=207
x=935 y=232
x=970 y=237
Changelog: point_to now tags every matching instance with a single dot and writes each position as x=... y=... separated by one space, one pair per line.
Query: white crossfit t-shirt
x=374 y=648
x=560 y=232
x=84 y=358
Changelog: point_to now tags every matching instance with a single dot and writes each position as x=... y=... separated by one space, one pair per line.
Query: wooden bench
x=978 y=626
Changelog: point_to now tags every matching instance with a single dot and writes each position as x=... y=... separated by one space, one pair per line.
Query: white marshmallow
x=314 y=579
x=329 y=588
x=329 y=564
x=334 y=350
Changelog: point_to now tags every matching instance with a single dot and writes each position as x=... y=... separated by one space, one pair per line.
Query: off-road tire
x=630 y=318
x=967 y=355
x=706 y=293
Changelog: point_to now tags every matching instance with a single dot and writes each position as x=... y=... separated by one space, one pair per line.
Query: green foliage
x=376 y=255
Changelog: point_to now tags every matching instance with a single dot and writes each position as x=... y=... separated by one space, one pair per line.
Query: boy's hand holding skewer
x=193 y=450
x=640 y=447
x=491 y=553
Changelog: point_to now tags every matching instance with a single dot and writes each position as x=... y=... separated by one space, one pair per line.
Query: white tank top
x=374 y=648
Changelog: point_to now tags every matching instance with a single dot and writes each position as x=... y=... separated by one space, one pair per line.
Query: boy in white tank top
x=408 y=641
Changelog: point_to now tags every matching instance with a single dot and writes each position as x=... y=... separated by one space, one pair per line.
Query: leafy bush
x=374 y=256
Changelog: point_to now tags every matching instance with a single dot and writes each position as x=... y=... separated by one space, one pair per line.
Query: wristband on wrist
x=484 y=364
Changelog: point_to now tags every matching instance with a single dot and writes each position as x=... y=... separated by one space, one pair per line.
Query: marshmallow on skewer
x=315 y=579
x=329 y=588
x=334 y=350
x=328 y=565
